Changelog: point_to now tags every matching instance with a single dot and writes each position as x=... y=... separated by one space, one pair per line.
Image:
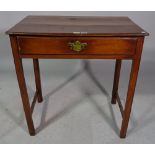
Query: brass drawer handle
x=77 y=46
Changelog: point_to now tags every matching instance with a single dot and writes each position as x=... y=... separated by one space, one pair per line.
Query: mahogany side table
x=61 y=37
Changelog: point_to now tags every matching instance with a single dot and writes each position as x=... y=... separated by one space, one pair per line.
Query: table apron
x=81 y=47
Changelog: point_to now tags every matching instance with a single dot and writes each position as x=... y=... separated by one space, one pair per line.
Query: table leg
x=131 y=87
x=22 y=85
x=116 y=81
x=37 y=79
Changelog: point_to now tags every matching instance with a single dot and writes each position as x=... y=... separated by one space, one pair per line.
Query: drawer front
x=77 y=45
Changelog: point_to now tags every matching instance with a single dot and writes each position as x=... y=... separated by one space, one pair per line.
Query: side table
x=60 y=37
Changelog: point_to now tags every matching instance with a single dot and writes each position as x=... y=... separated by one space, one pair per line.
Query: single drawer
x=77 y=45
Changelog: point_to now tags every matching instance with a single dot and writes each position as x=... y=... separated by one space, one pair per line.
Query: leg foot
x=32 y=133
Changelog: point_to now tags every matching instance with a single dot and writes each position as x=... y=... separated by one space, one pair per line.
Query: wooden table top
x=77 y=26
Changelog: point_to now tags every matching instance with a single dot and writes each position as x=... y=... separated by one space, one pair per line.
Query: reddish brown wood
x=59 y=45
x=97 y=56
x=77 y=26
x=22 y=85
x=116 y=81
x=37 y=79
x=131 y=87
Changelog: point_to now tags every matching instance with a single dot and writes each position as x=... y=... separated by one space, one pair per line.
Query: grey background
x=54 y=74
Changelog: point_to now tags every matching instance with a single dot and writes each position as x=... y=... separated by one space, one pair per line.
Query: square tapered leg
x=37 y=79
x=116 y=81
x=22 y=85
x=131 y=87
